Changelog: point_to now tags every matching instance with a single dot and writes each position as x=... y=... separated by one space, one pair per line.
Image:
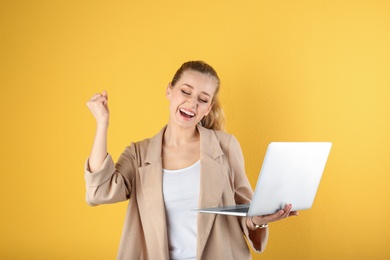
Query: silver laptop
x=290 y=174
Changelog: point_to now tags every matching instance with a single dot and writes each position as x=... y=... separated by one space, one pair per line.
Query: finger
x=99 y=98
x=95 y=97
x=273 y=217
x=105 y=95
x=287 y=210
x=283 y=213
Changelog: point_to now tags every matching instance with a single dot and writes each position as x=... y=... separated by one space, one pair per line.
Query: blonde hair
x=215 y=119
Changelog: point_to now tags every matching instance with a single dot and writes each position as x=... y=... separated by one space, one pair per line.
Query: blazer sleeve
x=243 y=195
x=113 y=182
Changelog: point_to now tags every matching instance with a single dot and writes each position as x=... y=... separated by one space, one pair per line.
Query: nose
x=192 y=101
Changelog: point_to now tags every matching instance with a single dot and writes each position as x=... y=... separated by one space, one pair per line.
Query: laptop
x=290 y=174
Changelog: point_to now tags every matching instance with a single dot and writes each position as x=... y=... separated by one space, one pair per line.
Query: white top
x=181 y=194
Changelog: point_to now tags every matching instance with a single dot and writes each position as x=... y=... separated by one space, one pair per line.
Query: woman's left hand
x=281 y=214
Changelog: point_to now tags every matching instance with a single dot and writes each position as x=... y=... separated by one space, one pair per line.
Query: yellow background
x=290 y=70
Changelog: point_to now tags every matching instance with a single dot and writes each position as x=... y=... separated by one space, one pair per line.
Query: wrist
x=254 y=225
x=102 y=124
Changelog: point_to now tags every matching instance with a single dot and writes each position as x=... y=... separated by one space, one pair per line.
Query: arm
x=243 y=195
x=98 y=105
x=106 y=181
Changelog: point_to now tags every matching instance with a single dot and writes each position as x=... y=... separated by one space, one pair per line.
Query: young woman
x=189 y=164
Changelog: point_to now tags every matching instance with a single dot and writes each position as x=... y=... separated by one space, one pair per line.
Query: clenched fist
x=98 y=105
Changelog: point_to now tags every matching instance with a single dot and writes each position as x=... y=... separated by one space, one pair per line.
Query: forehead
x=199 y=81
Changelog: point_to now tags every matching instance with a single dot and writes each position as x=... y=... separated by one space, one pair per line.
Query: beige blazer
x=137 y=176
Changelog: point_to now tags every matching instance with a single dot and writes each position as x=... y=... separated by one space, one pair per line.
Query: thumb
x=105 y=101
x=105 y=94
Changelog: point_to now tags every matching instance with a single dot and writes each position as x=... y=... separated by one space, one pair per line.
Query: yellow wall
x=291 y=71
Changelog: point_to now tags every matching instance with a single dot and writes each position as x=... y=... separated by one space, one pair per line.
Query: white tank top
x=181 y=194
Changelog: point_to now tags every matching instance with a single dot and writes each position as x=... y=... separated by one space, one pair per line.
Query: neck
x=176 y=136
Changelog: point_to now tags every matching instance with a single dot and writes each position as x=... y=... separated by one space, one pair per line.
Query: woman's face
x=191 y=98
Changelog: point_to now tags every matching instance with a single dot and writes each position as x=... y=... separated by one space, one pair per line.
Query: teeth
x=187 y=112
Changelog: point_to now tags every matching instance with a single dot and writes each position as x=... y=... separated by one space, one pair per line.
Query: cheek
x=176 y=95
x=175 y=100
x=206 y=109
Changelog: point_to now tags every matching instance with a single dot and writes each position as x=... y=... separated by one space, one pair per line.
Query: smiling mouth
x=186 y=113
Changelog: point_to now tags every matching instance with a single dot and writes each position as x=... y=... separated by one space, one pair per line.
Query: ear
x=168 y=90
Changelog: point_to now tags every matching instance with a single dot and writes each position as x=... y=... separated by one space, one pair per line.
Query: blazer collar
x=153 y=154
x=209 y=144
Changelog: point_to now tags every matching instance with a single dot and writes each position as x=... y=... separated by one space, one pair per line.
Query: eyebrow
x=185 y=84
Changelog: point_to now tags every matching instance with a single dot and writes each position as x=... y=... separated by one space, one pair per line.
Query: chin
x=186 y=125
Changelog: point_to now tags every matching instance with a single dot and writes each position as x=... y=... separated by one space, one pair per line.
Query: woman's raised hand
x=98 y=105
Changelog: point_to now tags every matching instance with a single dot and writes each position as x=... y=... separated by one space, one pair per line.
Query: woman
x=189 y=164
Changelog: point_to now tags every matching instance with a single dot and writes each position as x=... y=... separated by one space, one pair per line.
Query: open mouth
x=185 y=113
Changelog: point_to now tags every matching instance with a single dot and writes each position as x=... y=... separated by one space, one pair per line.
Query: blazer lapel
x=151 y=182
x=211 y=183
